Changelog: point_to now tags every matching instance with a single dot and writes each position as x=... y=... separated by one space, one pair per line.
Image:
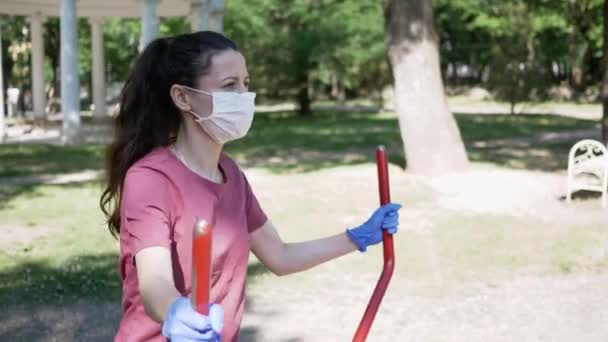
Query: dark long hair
x=148 y=117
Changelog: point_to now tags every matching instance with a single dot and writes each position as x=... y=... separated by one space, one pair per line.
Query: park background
x=477 y=101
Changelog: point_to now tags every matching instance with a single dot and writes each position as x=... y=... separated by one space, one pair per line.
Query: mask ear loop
x=198 y=117
x=197 y=90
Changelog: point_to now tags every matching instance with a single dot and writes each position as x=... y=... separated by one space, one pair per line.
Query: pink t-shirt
x=161 y=199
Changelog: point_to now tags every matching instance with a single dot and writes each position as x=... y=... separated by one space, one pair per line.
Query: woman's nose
x=243 y=87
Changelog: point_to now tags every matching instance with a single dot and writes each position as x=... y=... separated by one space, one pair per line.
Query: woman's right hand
x=183 y=324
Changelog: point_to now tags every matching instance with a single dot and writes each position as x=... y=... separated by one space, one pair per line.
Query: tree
x=296 y=46
x=432 y=141
x=581 y=15
x=519 y=71
x=605 y=81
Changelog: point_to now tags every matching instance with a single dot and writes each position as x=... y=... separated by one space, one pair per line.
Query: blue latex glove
x=183 y=323
x=370 y=233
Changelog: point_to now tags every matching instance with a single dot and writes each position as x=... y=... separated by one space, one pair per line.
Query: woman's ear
x=180 y=98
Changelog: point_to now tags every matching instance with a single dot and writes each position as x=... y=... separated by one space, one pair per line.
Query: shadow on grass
x=75 y=301
x=526 y=151
x=7 y=192
x=284 y=142
x=29 y=159
x=78 y=300
x=474 y=127
x=582 y=195
x=88 y=277
x=553 y=157
x=32 y=191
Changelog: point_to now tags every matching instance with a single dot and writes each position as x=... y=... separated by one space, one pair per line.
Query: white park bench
x=588 y=169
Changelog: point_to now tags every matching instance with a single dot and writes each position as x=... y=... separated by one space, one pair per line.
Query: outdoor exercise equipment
x=201 y=259
x=389 y=253
x=201 y=266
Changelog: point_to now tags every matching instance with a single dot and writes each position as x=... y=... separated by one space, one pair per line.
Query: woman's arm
x=286 y=258
x=155 y=278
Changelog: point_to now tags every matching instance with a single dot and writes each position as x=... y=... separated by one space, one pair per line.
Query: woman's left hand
x=370 y=233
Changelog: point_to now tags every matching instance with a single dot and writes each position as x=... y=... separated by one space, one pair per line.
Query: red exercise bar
x=201 y=266
x=389 y=253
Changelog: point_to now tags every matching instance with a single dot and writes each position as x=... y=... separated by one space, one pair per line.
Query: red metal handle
x=201 y=266
x=389 y=253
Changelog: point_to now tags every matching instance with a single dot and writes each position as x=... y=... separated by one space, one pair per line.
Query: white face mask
x=231 y=116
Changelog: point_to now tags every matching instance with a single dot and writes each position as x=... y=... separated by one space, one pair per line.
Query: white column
x=149 y=29
x=199 y=15
x=217 y=16
x=99 y=73
x=38 y=92
x=70 y=80
x=2 y=93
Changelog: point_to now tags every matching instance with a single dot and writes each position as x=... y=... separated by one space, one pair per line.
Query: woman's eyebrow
x=232 y=78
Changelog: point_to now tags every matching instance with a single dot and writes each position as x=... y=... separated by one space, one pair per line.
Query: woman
x=185 y=98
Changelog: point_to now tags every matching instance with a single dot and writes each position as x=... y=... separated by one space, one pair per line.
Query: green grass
x=284 y=142
x=26 y=159
x=464 y=250
x=552 y=157
x=487 y=244
x=77 y=259
x=497 y=126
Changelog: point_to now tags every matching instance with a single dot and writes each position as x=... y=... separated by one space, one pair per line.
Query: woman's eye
x=229 y=85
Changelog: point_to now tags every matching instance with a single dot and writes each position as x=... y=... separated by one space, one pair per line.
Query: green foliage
x=298 y=44
x=314 y=50
x=15 y=52
x=121 y=46
x=520 y=48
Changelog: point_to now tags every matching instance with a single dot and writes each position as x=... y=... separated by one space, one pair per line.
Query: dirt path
x=326 y=304
x=568 y=308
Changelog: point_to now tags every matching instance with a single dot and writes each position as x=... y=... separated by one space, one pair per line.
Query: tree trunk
x=55 y=77
x=575 y=74
x=578 y=50
x=303 y=96
x=605 y=82
x=335 y=87
x=302 y=68
x=432 y=141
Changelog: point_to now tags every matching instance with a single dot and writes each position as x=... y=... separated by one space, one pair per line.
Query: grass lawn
x=74 y=256
x=282 y=142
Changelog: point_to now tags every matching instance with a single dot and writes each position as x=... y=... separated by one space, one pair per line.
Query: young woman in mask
x=187 y=96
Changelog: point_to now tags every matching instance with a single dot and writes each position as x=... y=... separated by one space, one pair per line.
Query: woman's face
x=228 y=73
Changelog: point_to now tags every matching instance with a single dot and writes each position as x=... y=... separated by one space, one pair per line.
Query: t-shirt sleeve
x=145 y=210
x=256 y=217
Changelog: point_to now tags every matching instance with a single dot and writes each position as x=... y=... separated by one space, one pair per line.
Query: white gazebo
x=203 y=14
